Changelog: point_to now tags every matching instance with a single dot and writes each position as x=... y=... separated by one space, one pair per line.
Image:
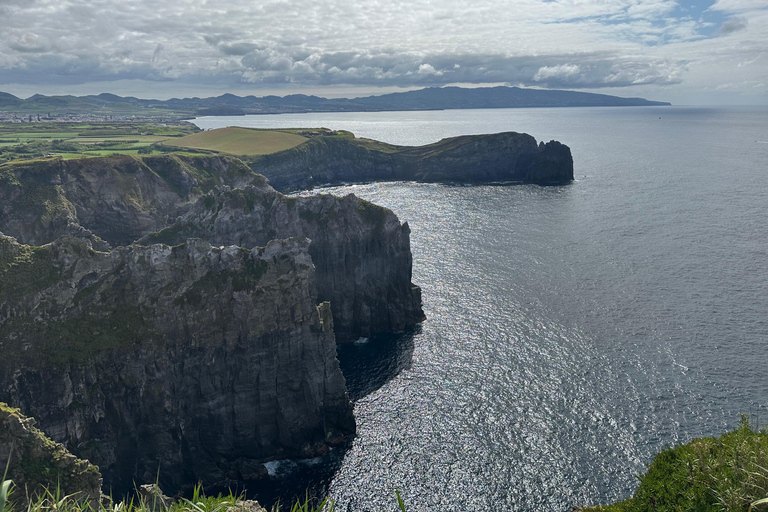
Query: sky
x=683 y=51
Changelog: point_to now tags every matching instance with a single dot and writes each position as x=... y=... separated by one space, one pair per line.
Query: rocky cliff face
x=114 y=200
x=500 y=157
x=201 y=361
x=197 y=360
x=360 y=250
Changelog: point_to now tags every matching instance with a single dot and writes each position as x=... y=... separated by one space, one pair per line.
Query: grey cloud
x=29 y=43
x=227 y=46
x=313 y=67
x=236 y=48
x=268 y=59
x=246 y=43
x=385 y=69
x=157 y=55
x=732 y=25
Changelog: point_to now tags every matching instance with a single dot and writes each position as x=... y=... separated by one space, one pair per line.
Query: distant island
x=39 y=107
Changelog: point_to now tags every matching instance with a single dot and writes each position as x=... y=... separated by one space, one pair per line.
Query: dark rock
x=361 y=251
x=501 y=157
x=153 y=499
x=115 y=199
x=246 y=506
x=192 y=360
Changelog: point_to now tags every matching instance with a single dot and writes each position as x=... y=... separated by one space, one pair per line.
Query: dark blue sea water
x=572 y=331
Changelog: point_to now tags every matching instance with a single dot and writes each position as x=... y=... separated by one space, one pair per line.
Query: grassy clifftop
x=240 y=141
x=714 y=474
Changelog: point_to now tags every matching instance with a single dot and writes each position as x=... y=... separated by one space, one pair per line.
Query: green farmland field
x=240 y=141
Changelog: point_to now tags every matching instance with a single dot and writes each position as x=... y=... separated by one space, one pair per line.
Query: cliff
x=195 y=360
x=501 y=157
x=361 y=251
x=115 y=199
x=201 y=361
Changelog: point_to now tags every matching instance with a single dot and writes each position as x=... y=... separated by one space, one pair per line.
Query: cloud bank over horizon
x=628 y=47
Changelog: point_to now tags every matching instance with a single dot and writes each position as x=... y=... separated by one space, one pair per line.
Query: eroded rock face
x=37 y=463
x=361 y=251
x=500 y=157
x=200 y=361
x=112 y=200
x=197 y=360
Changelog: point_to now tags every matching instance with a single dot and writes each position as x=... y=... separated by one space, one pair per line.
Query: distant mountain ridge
x=434 y=98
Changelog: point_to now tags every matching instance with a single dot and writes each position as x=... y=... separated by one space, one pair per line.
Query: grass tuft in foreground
x=724 y=474
x=54 y=501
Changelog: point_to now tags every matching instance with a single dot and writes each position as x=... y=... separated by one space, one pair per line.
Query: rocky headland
x=177 y=316
x=361 y=251
x=196 y=360
x=472 y=159
x=35 y=461
x=200 y=360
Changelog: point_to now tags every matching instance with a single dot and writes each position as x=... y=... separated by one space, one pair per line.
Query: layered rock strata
x=193 y=360
x=501 y=157
x=361 y=251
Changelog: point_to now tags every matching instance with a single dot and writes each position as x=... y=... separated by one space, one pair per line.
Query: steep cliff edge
x=114 y=199
x=360 y=250
x=196 y=360
x=492 y=158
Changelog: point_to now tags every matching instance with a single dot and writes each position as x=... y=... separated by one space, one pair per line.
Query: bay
x=572 y=331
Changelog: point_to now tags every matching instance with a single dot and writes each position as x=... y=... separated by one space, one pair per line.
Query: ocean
x=572 y=332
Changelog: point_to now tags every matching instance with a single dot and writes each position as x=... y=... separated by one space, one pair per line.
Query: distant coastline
x=113 y=107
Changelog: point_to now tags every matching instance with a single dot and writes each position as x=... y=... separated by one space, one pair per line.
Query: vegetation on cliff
x=714 y=474
x=34 y=463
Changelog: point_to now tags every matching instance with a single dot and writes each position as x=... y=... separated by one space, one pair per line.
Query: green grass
x=39 y=135
x=724 y=474
x=54 y=501
x=240 y=141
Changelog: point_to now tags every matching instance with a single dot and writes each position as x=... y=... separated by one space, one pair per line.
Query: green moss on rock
x=37 y=463
x=26 y=269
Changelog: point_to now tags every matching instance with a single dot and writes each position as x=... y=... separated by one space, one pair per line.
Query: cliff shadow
x=369 y=365
x=294 y=479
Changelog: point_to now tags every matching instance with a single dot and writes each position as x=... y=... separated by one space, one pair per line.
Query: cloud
x=562 y=71
x=428 y=69
x=738 y=5
x=732 y=25
x=27 y=42
x=245 y=44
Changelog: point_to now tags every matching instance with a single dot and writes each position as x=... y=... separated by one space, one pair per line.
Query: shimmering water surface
x=572 y=331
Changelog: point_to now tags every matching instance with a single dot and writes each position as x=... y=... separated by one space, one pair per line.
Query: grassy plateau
x=240 y=141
